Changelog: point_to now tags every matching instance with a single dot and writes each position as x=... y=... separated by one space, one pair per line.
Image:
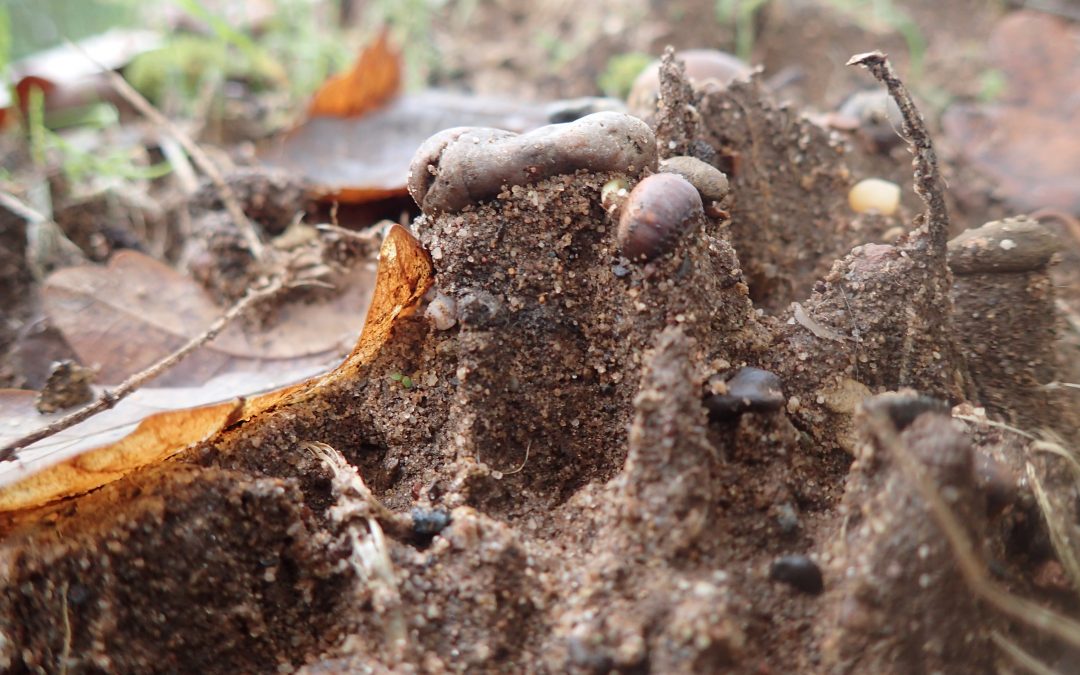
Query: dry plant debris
x=537 y=398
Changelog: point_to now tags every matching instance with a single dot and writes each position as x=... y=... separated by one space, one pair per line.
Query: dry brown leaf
x=149 y=426
x=122 y=318
x=374 y=79
x=366 y=159
x=1027 y=141
x=154 y=424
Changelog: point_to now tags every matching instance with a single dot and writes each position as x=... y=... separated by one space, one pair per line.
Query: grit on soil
x=574 y=478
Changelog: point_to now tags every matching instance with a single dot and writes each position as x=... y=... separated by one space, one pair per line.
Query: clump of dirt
x=571 y=505
x=894 y=606
x=177 y=569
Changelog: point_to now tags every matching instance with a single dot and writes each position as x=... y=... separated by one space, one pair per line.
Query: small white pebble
x=442 y=311
x=874 y=195
x=1007 y=244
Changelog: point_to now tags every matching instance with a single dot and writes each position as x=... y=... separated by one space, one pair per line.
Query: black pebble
x=77 y=594
x=750 y=390
x=905 y=408
x=428 y=523
x=800 y=572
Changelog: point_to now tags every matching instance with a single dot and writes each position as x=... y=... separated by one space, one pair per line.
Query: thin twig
x=928 y=184
x=110 y=397
x=65 y=654
x=47 y=247
x=368 y=236
x=228 y=197
x=971 y=567
x=21 y=209
x=1050 y=386
x=523 y=462
x=1019 y=656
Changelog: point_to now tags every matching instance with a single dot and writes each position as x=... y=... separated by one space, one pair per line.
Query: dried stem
x=110 y=397
x=228 y=197
x=47 y=247
x=348 y=479
x=1019 y=656
x=65 y=654
x=928 y=183
x=22 y=210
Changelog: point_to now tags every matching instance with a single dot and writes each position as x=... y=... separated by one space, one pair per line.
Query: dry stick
x=110 y=397
x=971 y=568
x=64 y=249
x=928 y=185
x=1019 y=656
x=24 y=211
x=228 y=197
x=65 y=654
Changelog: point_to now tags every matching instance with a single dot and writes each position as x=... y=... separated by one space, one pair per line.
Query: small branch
x=110 y=397
x=24 y=211
x=228 y=197
x=928 y=183
x=65 y=654
x=47 y=247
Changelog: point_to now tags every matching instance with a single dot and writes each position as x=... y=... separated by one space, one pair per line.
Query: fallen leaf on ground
x=1027 y=140
x=374 y=79
x=367 y=158
x=154 y=424
x=125 y=317
x=150 y=425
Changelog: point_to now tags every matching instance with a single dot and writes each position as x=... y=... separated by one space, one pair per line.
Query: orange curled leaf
x=156 y=438
x=405 y=274
x=373 y=80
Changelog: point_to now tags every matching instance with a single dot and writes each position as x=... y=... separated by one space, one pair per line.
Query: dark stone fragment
x=77 y=594
x=904 y=407
x=429 y=522
x=798 y=571
x=750 y=390
x=480 y=309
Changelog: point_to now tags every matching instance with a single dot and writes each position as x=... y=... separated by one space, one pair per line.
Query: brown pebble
x=1011 y=245
x=660 y=209
x=702 y=65
x=711 y=183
